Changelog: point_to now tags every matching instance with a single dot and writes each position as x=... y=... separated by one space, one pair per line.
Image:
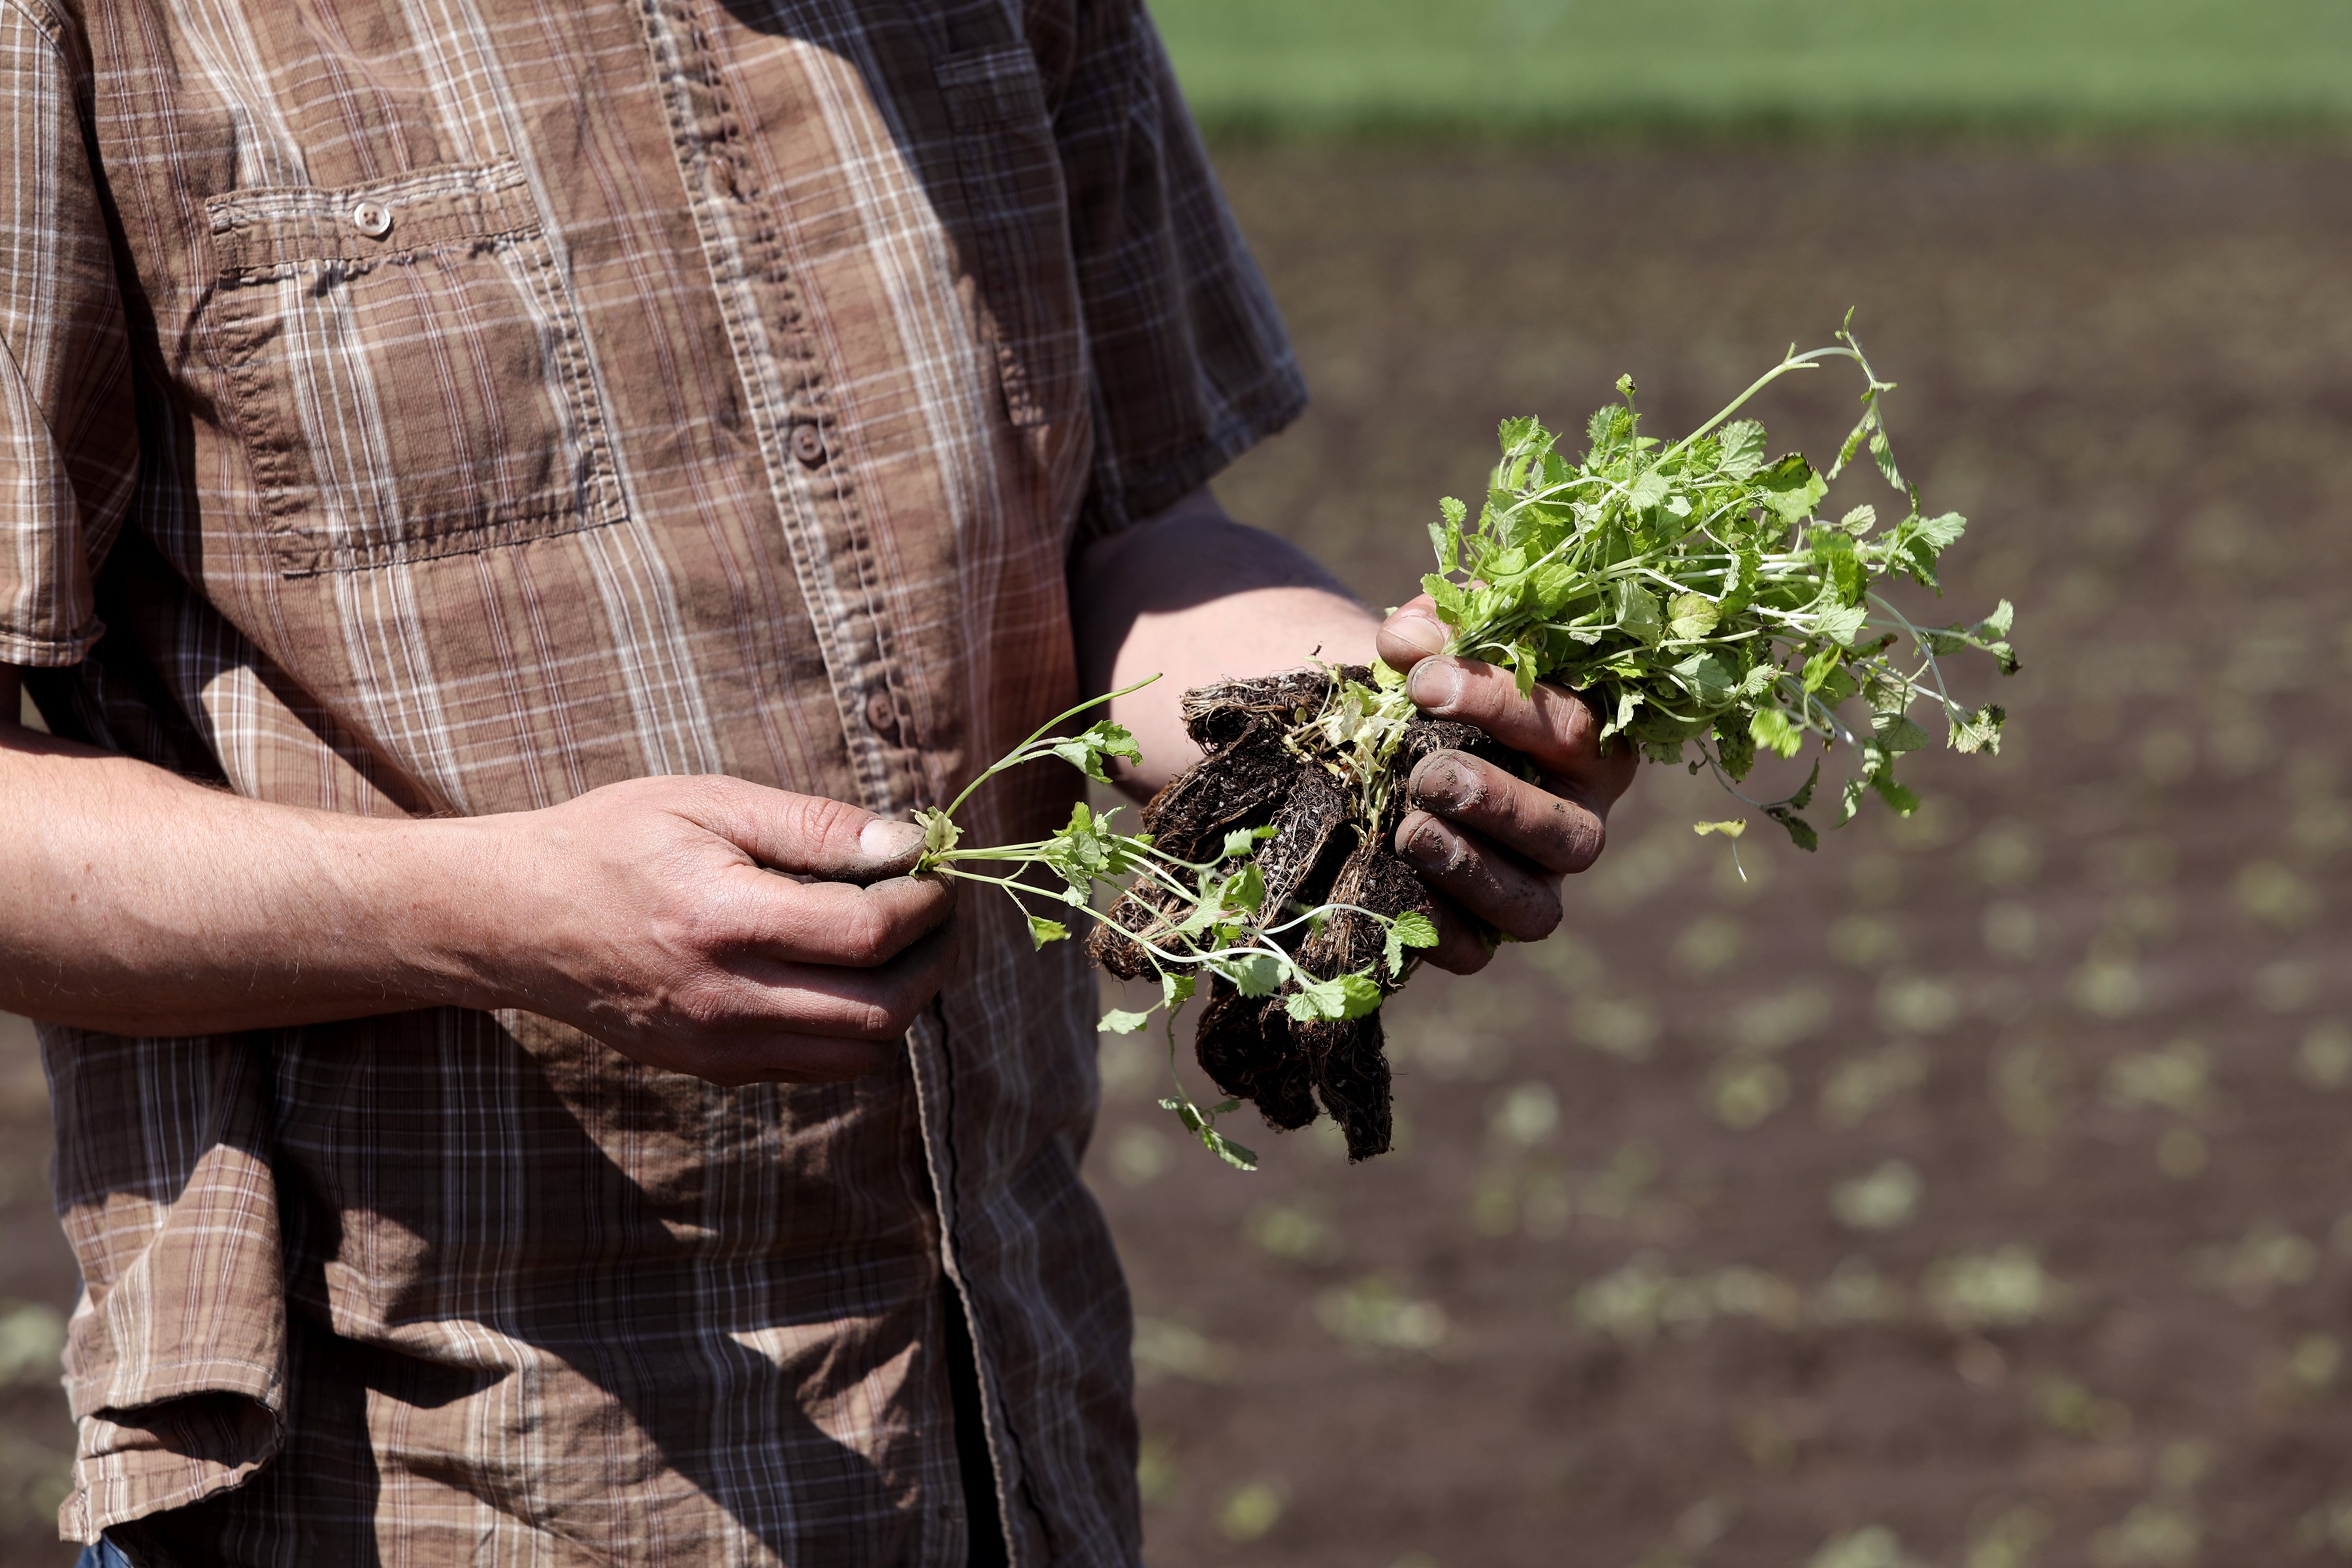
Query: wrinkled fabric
x=421 y=406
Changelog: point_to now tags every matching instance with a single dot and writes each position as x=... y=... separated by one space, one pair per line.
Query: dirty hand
x=1485 y=842
x=651 y=915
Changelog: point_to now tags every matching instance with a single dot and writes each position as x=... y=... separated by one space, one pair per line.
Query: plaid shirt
x=453 y=405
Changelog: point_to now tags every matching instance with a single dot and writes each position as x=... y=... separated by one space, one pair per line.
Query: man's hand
x=1485 y=842
x=1194 y=596
x=655 y=917
x=701 y=924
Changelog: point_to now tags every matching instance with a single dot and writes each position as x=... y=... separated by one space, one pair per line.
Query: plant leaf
x=1789 y=487
x=1231 y=1153
x=1252 y=974
x=1742 y=445
x=1240 y=840
x=939 y=832
x=1348 y=996
x=1637 y=611
x=1086 y=750
x=1897 y=733
x=1772 y=729
x=1691 y=616
x=1411 y=929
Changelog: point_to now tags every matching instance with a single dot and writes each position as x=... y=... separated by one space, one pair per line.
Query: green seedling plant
x=1227 y=930
x=1689 y=590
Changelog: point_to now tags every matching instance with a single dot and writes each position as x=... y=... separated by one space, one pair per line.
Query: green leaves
x=1086 y=850
x=1916 y=543
x=1452 y=604
x=1741 y=446
x=1042 y=931
x=1252 y=974
x=1086 y=750
x=1897 y=733
x=1348 y=996
x=1118 y=1021
x=1789 y=487
x=1843 y=624
x=1648 y=490
x=1445 y=535
x=1775 y=732
x=1637 y=612
x=1203 y=1124
x=939 y=832
x=1242 y=840
x=1784 y=812
x=1690 y=616
x=1693 y=590
x=1980 y=730
x=1840 y=566
x=1409 y=929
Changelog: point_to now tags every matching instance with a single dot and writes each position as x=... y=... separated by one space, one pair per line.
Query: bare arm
x=1193 y=596
x=646 y=912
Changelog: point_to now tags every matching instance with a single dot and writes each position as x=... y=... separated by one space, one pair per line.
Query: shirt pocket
x=1016 y=211
x=406 y=369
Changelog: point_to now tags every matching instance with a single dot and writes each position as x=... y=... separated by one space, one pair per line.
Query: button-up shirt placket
x=741 y=213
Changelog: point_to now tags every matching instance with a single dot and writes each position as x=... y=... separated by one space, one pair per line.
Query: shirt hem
x=1266 y=409
x=31 y=652
x=190 y=1481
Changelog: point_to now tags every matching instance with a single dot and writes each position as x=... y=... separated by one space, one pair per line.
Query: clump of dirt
x=1263 y=766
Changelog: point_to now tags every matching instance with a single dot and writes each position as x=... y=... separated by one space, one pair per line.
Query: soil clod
x=1264 y=766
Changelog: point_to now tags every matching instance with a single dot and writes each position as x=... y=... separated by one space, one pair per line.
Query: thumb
x=1411 y=633
x=806 y=834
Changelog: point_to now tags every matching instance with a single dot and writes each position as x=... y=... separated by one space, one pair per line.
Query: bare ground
x=1603 y=1308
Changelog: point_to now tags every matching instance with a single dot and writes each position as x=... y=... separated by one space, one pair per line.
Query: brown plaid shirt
x=452 y=405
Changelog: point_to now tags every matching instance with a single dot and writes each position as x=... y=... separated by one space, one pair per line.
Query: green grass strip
x=1532 y=68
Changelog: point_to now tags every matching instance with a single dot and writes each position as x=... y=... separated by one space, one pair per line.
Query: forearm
x=1192 y=595
x=139 y=903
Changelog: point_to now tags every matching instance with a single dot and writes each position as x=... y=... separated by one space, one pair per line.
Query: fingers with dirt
x=1554 y=831
x=1551 y=725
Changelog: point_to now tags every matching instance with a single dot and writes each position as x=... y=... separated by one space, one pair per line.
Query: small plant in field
x=1688 y=590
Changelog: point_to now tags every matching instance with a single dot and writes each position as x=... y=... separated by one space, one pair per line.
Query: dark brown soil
x=1256 y=772
x=1607 y=1302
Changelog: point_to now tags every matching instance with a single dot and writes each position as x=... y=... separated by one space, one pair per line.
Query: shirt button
x=808 y=444
x=373 y=220
x=882 y=715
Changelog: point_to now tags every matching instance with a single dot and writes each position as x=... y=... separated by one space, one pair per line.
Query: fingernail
x=1441 y=782
x=882 y=840
x=1434 y=683
x=1430 y=846
x=1418 y=631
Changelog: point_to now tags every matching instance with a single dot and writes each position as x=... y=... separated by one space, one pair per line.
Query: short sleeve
x=1189 y=360
x=69 y=444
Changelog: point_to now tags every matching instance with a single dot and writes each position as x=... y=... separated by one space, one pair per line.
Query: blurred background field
x=1406 y=68
x=1973 y=1194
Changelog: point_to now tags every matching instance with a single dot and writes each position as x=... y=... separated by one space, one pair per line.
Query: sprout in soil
x=1687 y=590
